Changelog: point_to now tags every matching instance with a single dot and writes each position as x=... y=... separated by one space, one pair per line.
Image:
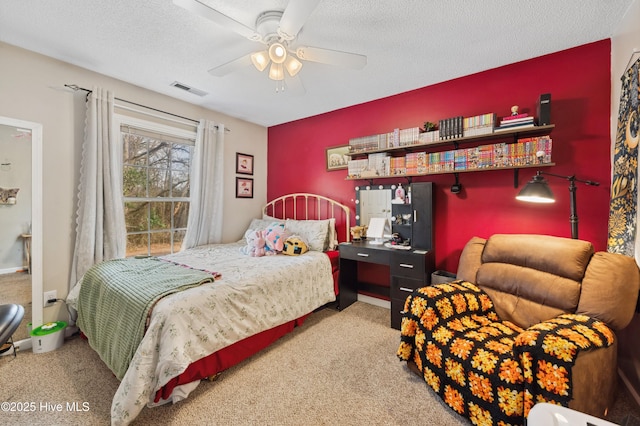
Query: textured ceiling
x=409 y=44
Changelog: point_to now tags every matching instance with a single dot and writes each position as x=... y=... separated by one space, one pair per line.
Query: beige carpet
x=339 y=368
x=16 y=288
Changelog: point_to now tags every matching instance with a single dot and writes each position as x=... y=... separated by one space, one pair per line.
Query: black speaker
x=544 y=109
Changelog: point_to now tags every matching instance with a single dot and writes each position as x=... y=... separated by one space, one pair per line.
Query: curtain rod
x=75 y=87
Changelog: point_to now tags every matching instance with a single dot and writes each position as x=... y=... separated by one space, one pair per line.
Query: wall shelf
x=514 y=135
x=451 y=172
x=510 y=134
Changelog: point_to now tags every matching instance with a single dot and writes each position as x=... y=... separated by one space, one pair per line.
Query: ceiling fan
x=277 y=30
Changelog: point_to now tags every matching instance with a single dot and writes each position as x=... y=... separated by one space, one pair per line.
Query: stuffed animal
x=256 y=243
x=357 y=232
x=295 y=245
x=275 y=236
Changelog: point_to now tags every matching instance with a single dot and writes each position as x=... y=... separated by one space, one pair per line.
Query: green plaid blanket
x=116 y=297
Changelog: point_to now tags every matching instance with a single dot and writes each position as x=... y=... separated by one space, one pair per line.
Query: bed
x=233 y=305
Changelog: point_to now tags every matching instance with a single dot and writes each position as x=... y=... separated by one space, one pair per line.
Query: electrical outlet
x=49 y=295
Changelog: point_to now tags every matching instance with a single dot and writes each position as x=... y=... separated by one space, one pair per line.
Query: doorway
x=21 y=215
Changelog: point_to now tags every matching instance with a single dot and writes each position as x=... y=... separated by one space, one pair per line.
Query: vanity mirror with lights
x=409 y=211
x=408 y=208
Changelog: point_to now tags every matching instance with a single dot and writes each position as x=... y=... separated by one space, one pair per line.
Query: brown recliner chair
x=535 y=283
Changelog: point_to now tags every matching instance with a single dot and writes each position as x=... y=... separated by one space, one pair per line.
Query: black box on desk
x=442 y=277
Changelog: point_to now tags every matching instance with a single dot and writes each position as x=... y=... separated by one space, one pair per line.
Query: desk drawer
x=408 y=265
x=364 y=254
x=403 y=287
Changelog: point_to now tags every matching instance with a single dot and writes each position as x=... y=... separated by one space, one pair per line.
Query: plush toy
x=256 y=245
x=295 y=245
x=275 y=236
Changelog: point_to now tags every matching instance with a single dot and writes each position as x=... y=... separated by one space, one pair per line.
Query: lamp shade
x=536 y=191
x=292 y=65
x=276 y=72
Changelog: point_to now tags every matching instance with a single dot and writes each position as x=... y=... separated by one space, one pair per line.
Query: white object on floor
x=48 y=337
x=545 y=414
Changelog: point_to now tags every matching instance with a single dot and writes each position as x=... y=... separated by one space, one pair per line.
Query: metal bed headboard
x=306 y=206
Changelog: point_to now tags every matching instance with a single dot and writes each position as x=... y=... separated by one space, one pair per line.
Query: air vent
x=188 y=89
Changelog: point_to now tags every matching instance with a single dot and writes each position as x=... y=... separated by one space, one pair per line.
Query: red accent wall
x=579 y=82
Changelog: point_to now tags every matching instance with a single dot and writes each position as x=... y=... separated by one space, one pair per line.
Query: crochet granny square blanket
x=489 y=370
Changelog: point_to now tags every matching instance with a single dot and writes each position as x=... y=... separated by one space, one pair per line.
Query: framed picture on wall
x=244 y=164
x=337 y=157
x=244 y=187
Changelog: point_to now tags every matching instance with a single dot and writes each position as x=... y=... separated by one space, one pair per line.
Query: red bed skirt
x=239 y=351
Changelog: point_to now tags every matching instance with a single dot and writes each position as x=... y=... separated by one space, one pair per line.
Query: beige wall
x=30 y=90
x=624 y=41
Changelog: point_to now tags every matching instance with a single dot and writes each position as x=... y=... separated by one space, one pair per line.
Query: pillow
x=314 y=232
x=272 y=219
x=295 y=246
x=262 y=224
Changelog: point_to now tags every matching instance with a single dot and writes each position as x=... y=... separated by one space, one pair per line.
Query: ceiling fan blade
x=223 y=20
x=331 y=57
x=295 y=16
x=229 y=67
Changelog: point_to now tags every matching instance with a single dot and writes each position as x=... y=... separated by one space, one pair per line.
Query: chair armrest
x=548 y=351
x=428 y=306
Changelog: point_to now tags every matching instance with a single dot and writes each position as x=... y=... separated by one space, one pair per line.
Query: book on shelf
x=515 y=117
x=398 y=166
x=416 y=163
x=516 y=121
x=524 y=152
x=514 y=127
x=379 y=162
x=478 y=125
x=527 y=151
x=429 y=137
x=356 y=167
x=394 y=139
x=473 y=158
x=451 y=128
x=409 y=136
x=365 y=143
x=460 y=159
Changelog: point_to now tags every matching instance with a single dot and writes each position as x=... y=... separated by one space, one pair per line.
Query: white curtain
x=204 y=224
x=100 y=225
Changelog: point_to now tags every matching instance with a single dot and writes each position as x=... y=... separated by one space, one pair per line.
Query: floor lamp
x=537 y=191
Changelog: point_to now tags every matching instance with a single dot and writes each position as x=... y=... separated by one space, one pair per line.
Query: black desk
x=409 y=269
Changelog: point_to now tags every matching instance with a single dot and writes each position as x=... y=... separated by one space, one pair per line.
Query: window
x=156 y=165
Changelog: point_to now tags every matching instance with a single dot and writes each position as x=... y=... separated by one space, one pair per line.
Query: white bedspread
x=253 y=295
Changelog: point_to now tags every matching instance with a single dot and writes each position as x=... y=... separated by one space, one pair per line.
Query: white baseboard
x=12 y=270
x=374 y=301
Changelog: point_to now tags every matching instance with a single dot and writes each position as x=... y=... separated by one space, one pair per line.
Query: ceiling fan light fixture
x=276 y=72
x=277 y=52
x=292 y=65
x=260 y=60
